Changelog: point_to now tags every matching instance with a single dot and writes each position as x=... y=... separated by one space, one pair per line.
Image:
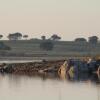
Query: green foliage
x=93 y=39
x=1 y=36
x=47 y=45
x=25 y=36
x=55 y=37
x=80 y=40
x=4 y=47
x=15 y=36
x=43 y=37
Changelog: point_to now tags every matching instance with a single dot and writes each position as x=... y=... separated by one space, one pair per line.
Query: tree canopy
x=93 y=39
x=80 y=40
x=55 y=37
x=15 y=36
x=25 y=36
x=1 y=36
x=43 y=37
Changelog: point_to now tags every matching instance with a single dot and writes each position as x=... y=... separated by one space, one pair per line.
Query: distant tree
x=80 y=40
x=43 y=37
x=18 y=35
x=55 y=37
x=4 y=47
x=93 y=39
x=47 y=45
x=25 y=36
x=15 y=36
x=1 y=36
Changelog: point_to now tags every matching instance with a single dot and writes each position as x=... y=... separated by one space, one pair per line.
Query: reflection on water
x=49 y=86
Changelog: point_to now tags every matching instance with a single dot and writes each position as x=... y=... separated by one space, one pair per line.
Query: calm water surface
x=48 y=87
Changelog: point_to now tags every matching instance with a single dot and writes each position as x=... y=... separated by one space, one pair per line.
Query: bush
x=47 y=45
x=4 y=47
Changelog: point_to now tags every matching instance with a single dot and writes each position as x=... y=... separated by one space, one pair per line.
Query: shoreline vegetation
x=62 y=67
x=53 y=47
x=31 y=67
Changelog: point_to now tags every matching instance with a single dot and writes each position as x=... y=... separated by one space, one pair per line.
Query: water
x=18 y=61
x=48 y=87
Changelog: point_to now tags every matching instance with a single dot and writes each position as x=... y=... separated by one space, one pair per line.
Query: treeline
x=54 y=37
x=47 y=43
x=20 y=36
x=15 y=36
x=92 y=40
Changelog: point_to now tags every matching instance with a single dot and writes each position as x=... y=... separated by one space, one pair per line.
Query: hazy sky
x=68 y=18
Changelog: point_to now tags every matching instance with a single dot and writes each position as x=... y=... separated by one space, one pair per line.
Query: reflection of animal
x=62 y=70
x=98 y=71
x=71 y=72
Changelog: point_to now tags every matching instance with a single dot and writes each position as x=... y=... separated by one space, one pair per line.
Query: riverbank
x=40 y=66
x=37 y=58
x=31 y=67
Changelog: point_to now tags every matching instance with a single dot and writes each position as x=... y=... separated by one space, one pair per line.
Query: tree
x=1 y=36
x=47 y=45
x=80 y=40
x=15 y=36
x=25 y=36
x=93 y=39
x=55 y=37
x=43 y=37
x=4 y=47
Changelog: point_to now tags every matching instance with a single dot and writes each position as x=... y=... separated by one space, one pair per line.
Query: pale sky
x=67 y=18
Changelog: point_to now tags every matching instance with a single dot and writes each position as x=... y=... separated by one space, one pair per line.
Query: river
x=48 y=87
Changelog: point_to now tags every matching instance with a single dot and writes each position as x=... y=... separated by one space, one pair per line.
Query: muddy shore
x=31 y=67
x=51 y=66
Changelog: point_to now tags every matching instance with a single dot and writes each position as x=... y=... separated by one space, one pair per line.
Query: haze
x=67 y=18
